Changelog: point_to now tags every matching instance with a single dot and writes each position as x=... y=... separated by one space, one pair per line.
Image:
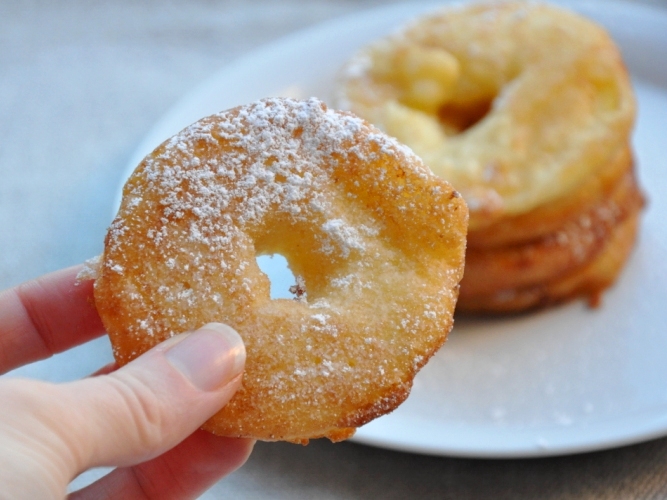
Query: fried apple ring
x=516 y=104
x=376 y=240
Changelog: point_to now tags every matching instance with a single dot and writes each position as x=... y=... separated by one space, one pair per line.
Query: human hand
x=142 y=418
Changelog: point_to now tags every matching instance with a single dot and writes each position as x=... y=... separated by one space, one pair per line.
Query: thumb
x=157 y=400
x=137 y=412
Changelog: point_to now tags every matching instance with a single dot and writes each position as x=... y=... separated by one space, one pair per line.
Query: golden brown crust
x=587 y=281
x=377 y=240
x=551 y=217
x=570 y=247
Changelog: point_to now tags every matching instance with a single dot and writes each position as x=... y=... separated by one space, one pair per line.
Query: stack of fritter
x=527 y=109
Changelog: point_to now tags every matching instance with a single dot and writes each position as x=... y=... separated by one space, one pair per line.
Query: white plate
x=565 y=380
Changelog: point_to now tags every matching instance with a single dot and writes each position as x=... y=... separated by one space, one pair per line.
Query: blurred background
x=81 y=84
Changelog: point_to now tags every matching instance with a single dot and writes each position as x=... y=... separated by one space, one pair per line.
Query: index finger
x=45 y=316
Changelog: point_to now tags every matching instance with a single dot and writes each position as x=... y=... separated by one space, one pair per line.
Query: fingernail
x=209 y=357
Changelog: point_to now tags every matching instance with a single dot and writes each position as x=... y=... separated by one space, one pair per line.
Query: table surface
x=81 y=83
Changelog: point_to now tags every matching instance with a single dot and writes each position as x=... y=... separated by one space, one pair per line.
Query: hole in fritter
x=282 y=280
x=459 y=118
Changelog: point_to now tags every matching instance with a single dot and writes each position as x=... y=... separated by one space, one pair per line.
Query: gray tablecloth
x=80 y=85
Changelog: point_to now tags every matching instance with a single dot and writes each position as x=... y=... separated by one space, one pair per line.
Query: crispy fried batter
x=355 y=214
x=589 y=280
x=570 y=247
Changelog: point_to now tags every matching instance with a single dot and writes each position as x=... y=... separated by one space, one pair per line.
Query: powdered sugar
x=346 y=205
x=90 y=269
x=285 y=149
x=345 y=236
